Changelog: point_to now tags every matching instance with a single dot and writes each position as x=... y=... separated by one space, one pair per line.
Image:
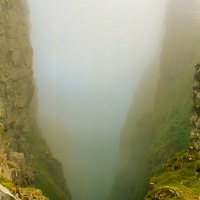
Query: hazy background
x=89 y=56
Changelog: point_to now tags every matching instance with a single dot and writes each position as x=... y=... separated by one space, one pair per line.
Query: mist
x=89 y=57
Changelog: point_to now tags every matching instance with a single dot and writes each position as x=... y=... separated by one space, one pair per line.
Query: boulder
x=5 y=194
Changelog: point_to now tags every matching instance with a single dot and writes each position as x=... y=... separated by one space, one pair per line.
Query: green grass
x=161 y=133
x=46 y=182
x=52 y=183
x=184 y=180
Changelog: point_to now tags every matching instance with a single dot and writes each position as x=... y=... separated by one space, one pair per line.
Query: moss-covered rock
x=182 y=174
x=155 y=131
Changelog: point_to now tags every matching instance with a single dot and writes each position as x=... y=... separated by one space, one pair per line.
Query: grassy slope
x=50 y=177
x=148 y=141
x=184 y=180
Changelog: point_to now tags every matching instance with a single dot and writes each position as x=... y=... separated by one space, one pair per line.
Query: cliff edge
x=157 y=124
x=25 y=160
x=180 y=179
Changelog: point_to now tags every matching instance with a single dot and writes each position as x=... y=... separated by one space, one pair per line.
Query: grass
x=14 y=189
x=52 y=183
x=49 y=174
x=184 y=180
x=161 y=133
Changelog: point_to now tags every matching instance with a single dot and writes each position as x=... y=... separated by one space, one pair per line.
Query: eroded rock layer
x=25 y=159
x=16 y=89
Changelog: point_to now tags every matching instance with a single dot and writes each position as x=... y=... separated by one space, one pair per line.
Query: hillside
x=25 y=160
x=180 y=178
x=157 y=125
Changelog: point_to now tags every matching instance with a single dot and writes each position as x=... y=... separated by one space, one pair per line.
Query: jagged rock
x=29 y=194
x=20 y=151
x=164 y=193
x=195 y=119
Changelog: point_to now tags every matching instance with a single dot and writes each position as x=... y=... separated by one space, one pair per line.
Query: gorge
x=27 y=167
x=92 y=58
x=158 y=125
x=67 y=99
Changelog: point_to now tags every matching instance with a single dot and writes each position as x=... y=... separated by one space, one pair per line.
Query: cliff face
x=153 y=133
x=180 y=178
x=25 y=159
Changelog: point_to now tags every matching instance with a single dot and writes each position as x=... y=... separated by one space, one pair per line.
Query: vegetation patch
x=184 y=181
x=51 y=183
x=11 y=164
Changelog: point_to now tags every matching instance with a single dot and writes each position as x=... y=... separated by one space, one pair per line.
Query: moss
x=6 y=183
x=197 y=166
x=49 y=178
x=2 y=133
x=185 y=180
x=168 y=131
x=10 y=164
x=16 y=189
x=9 y=186
x=34 y=191
x=177 y=165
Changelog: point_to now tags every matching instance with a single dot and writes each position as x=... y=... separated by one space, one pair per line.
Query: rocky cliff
x=25 y=159
x=180 y=178
x=157 y=124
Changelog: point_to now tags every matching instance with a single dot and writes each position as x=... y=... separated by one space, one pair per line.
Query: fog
x=88 y=59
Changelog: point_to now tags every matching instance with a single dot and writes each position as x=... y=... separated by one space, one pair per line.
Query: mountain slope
x=25 y=159
x=151 y=136
x=181 y=176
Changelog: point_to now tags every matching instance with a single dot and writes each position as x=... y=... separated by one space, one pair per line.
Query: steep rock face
x=195 y=119
x=16 y=88
x=180 y=179
x=25 y=159
x=149 y=138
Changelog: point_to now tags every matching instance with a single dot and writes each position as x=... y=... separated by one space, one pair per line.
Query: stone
x=5 y=194
x=16 y=57
x=16 y=127
x=195 y=119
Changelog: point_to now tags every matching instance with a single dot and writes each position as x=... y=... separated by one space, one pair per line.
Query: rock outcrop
x=180 y=179
x=157 y=123
x=195 y=119
x=25 y=159
x=5 y=193
x=16 y=91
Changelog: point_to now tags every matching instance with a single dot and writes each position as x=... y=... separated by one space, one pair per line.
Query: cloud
x=88 y=59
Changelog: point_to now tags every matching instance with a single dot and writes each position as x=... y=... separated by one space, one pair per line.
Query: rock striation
x=16 y=90
x=25 y=159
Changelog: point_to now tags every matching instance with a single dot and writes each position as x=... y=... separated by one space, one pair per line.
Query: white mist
x=88 y=59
